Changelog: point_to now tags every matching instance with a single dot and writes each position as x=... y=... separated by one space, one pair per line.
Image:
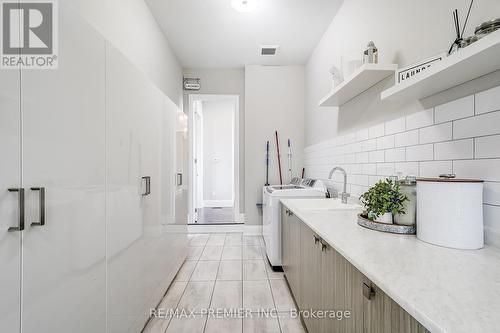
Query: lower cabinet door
x=10 y=178
x=382 y=315
x=341 y=294
x=310 y=278
x=63 y=110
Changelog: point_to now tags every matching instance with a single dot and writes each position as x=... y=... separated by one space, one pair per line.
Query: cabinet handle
x=148 y=185
x=368 y=291
x=316 y=239
x=41 y=190
x=179 y=179
x=20 y=192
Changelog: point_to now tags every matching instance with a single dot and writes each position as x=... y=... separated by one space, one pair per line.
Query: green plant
x=384 y=197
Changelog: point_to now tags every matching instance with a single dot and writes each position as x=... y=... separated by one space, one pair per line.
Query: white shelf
x=361 y=80
x=476 y=60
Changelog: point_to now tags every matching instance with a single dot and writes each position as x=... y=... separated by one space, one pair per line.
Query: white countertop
x=446 y=290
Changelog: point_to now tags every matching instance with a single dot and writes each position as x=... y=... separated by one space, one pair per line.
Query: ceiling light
x=244 y=6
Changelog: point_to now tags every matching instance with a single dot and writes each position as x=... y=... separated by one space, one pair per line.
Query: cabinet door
x=383 y=315
x=64 y=151
x=341 y=290
x=10 y=177
x=291 y=251
x=285 y=242
x=294 y=268
x=310 y=276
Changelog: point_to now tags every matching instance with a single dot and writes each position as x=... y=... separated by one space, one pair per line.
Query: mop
x=267 y=164
x=290 y=161
x=279 y=158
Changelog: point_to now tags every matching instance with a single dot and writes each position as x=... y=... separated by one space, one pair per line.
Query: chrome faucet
x=344 y=194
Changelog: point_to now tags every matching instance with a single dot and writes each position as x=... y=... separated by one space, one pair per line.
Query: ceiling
x=211 y=34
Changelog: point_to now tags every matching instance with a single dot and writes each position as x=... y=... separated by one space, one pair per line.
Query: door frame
x=236 y=152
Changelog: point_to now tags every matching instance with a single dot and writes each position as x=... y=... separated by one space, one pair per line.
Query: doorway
x=214 y=159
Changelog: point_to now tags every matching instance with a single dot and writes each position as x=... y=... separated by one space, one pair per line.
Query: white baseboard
x=218 y=203
x=213 y=229
x=253 y=230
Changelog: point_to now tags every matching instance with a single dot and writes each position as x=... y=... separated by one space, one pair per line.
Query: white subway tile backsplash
x=460 y=108
x=488 y=147
x=377 y=156
x=369 y=145
x=446 y=139
x=486 y=124
x=362 y=157
x=405 y=139
x=406 y=168
x=361 y=180
x=375 y=179
x=492 y=193
x=395 y=126
x=385 y=142
x=395 y=155
x=369 y=169
x=420 y=153
x=420 y=119
x=454 y=150
x=362 y=135
x=487 y=170
x=376 y=131
x=385 y=169
x=492 y=225
x=488 y=100
x=437 y=133
x=435 y=168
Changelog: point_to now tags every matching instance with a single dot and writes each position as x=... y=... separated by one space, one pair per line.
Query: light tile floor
x=227 y=271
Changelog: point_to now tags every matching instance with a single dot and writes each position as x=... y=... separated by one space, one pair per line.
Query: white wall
x=451 y=132
x=132 y=29
x=225 y=82
x=218 y=164
x=274 y=101
x=404 y=31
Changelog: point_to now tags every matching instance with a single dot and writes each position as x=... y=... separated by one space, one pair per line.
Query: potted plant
x=383 y=201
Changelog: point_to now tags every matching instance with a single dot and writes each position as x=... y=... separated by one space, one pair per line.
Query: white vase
x=386 y=218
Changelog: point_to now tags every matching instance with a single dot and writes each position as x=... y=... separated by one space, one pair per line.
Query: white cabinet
x=10 y=177
x=142 y=257
x=80 y=140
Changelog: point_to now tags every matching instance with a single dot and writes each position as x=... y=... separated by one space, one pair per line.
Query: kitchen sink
x=324 y=204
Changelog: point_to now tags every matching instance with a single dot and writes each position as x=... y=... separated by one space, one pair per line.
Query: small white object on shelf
x=472 y=62
x=358 y=82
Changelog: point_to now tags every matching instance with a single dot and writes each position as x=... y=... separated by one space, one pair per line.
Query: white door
x=10 y=178
x=198 y=156
x=64 y=152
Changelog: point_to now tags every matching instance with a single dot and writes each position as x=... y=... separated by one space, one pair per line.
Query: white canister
x=450 y=212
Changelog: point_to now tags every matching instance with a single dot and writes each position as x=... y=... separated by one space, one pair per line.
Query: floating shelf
x=476 y=60
x=361 y=80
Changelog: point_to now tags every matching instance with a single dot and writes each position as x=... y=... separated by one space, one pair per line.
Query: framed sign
x=408 y=72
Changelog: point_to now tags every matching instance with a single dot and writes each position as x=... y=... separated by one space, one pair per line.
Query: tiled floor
x=227 y=271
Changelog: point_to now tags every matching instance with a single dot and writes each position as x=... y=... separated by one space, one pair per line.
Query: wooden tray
x=391 y=228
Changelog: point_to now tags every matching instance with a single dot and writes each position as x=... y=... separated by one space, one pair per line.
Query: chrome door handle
x=148 y=185
x=368 y=291
x=41 y=190
x=20 y=192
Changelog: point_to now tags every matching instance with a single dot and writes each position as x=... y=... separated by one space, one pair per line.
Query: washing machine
x=271 y=208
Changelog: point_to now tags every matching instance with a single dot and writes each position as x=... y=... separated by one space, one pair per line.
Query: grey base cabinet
x=332 y=295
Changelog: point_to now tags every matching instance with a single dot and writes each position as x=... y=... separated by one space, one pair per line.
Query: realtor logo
x=29 y=34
